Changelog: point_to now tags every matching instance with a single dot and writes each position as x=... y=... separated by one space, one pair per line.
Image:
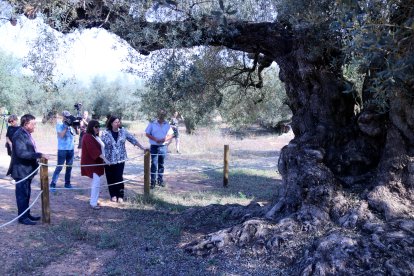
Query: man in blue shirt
x=159 y=133
x=66 y=145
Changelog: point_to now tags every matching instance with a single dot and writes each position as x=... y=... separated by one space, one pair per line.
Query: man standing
x=159 y=133
x=66 y=145
x=24 y=162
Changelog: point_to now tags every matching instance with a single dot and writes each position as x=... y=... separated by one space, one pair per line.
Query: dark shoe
x=152 y=186
x=27 y=221
x=161 y=183
x=52 y=187
x=34 y=218
x=96 y=207
x=68 y=186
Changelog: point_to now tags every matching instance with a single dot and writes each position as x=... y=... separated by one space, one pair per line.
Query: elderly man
x=159 y=133
x=24 y=162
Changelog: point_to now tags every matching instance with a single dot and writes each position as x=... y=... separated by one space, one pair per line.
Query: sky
x=84 y=55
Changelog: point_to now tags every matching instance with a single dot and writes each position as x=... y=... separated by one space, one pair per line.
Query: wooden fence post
x=44 y=182
x=147 y=162
x=226 y=166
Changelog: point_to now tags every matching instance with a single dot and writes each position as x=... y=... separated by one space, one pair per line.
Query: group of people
x=100 y=153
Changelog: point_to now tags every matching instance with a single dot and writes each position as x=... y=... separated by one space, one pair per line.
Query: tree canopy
x=348 y=175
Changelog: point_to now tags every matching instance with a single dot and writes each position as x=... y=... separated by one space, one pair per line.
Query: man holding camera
x=66 y=152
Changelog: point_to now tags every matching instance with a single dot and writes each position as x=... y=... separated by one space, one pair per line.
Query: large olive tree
x=348 y=175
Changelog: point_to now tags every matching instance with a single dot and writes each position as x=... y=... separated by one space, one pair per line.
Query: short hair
x=12 y=117
x=91 y=125
x=110 y=120
x=162 y=113
x=26 y=118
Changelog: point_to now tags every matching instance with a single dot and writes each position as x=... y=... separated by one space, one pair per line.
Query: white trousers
x=95 y=186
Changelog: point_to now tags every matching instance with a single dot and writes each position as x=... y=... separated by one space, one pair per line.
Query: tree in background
x=183 y=83
x=202 y=81
x=18 y=92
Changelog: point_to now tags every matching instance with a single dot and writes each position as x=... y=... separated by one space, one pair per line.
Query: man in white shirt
x=159 y=133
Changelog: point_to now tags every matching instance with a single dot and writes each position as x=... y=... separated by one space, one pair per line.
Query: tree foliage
x=201 y=81
x=18 y=92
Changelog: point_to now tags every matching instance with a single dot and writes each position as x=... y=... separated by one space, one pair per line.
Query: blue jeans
x=158 y=154
x=63 y=156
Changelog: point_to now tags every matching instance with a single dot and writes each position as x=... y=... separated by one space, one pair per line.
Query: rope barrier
x=38 y=168
x=16 y=218
x=199 y=171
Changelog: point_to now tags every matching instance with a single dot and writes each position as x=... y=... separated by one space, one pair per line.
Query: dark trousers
x=158 y=154
x=23 y=191
x=114 y=174
x=63 y=156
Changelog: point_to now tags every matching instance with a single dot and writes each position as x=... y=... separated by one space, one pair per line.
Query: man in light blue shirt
x=66 y=145
x=159 y=133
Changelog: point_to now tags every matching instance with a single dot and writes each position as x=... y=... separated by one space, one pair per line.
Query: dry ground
x=136 y=238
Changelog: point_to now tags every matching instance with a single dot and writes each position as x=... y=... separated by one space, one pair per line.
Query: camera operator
x=66 y=145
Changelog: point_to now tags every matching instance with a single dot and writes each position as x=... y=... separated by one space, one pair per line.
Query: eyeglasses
x=96 y=126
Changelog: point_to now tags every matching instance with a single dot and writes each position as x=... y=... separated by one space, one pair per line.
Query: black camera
x=72 y=120
x=78 y=106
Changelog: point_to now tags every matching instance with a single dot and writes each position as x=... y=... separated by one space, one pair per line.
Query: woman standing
x=11 y=129
x=174 y=126
x=92 y=153
x=114 y=139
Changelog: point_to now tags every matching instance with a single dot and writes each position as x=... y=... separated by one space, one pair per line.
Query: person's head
x=85 y=114
x=12 y=120
x=161 y=115
x=65 y=113
x=93 y=128
x=28 y=122
x=113 y=123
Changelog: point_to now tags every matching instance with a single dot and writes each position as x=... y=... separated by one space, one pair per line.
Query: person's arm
x=133 y=140
x=9 y=141
x=148 y=132
x=170 y=135
x=22 y=151
x=153 y=138
x=8 y=137
x=61 y=130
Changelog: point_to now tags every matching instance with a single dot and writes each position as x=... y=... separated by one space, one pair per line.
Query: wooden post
x=226 y=166
x=44 y=182
x=147 y=172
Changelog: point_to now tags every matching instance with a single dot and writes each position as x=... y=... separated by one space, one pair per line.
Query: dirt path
x=182 y=175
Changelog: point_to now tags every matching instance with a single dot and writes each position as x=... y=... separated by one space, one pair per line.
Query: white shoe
x=120 y=200
x=113 y=199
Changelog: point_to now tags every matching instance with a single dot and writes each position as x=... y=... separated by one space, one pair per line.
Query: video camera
x=74 y=121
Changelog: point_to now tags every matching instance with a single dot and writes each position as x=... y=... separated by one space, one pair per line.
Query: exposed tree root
x=360 y=243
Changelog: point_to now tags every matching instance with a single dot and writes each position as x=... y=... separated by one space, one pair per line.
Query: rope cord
x=89 y=165
x=107 y=185
x=21 y=180
x=16 y=218
x=198 y=171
